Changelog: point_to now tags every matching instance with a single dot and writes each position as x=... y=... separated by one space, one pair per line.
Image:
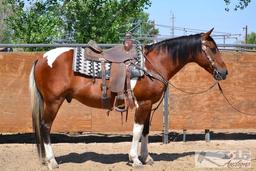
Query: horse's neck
x=175 y=67
x=165 y=65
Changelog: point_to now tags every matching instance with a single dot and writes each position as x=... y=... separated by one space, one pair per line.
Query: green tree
x=145 y=30
x=251 y=38
x=38 y=22
x=105 y=21
x=5 y=11
x=241 y=4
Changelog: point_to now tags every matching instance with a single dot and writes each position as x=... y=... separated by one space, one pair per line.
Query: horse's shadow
x=115 y=158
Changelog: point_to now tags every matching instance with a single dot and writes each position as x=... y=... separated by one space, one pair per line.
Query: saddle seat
x=117 y=54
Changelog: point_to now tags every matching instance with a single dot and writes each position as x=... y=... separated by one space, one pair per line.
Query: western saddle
x=121 y=58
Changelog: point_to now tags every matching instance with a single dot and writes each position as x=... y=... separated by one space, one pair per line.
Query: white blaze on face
x=53 y=54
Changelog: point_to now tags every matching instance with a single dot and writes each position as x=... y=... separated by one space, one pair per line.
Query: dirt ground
x=88 y=155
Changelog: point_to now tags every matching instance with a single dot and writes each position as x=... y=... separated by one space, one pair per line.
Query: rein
x=231 y=105
x=199 y=92
x=158 y=75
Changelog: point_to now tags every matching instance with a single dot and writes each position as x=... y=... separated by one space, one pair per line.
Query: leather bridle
x=208 y=53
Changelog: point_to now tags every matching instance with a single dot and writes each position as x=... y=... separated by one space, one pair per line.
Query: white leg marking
x=137 y=131
x=48 y=151
x=50 y=159
x=53 y=54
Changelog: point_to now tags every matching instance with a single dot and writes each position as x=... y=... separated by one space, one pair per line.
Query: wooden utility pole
x=172 y=28
x=166 y=117
x=246 y=33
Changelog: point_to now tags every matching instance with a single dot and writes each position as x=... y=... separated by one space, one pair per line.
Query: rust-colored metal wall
x=203 y=111
x=210 y=110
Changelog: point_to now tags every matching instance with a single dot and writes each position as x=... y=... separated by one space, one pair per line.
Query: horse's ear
x=207 y=34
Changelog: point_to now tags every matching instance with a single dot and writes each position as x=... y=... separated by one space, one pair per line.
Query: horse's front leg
x=145 y=157
x=141 y=116
x=133 y=156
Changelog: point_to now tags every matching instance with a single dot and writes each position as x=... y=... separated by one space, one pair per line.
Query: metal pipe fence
x=221 y=46
x=237 y=47
x=51 y=45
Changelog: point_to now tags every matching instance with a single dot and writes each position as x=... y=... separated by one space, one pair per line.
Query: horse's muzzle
x=220 y=74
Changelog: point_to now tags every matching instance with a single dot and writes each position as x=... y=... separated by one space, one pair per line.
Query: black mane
x=180 y=48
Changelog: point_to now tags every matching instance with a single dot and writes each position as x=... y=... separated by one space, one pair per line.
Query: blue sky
x=203 y=15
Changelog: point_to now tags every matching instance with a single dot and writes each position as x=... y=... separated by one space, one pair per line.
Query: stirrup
x=120 y=107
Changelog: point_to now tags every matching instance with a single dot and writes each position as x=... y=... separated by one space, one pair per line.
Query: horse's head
x=210 y=58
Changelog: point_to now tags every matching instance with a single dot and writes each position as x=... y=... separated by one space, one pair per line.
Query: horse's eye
x=214 y=50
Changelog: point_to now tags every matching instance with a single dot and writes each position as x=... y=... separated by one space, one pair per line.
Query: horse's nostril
x=224 y=75
x=220 y=74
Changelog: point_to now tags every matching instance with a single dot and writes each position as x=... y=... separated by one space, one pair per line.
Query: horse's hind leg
x=141 y=115
x=50 y=111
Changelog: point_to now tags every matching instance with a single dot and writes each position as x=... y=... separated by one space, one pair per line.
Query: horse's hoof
x=148 y=160
x=52 y=164
x=137 y=165
x=43 y=162
x=135 y=162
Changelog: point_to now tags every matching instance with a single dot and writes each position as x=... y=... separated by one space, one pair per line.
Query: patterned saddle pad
x=92 y=68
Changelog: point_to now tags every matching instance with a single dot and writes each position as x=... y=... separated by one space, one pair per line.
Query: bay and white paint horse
x=52 y=81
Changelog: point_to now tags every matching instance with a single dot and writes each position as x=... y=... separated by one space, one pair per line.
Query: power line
x=189 y=29
x=185 y=30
